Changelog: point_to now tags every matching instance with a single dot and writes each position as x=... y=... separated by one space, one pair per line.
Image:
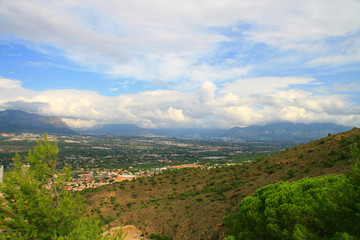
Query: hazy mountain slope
x=119 y=129
x=133 y=130
x=193 y=133
x=19 y=121
x=285 y=132
x=273 y=132
x=190 y=203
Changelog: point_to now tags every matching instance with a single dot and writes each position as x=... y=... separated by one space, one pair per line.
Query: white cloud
x=12 y=90
x=240 y=115
x=344 y=51
x=263 y=85
x=9 y=84
x=287 y=23
x=338 y=87
x=210 y=105
x=175 y=68
x=79 y=123
x=293 y=114
x=335 y=60
x=172 y=40
x=207 y=92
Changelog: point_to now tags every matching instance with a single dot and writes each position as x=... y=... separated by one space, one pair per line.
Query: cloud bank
x=210 y=106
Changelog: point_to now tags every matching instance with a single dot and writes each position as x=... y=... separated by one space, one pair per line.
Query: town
x=102 y=160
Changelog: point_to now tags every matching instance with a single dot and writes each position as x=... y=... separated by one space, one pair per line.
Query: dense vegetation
x=325 y=207
x=35 y=204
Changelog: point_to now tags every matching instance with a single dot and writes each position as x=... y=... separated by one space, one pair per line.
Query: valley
x=89 y=153
x=190 y=203
x=180 y=188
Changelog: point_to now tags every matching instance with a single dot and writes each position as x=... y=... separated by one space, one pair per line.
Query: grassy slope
x=190 y=203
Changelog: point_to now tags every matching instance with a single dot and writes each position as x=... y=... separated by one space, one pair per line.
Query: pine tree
x=324 y=207
x=35 y=203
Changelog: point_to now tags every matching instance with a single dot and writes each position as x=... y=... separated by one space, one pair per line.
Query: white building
x=1 y=173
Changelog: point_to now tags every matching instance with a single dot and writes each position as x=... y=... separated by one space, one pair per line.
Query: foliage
x=325 y=207
x=35 y=203
x=155 y=236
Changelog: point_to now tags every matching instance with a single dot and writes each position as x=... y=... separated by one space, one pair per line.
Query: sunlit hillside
x=191 y=203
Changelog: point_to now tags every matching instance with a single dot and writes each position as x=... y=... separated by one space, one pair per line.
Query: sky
x=182 y=64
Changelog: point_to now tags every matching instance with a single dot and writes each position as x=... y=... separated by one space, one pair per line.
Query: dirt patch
x=130 y=232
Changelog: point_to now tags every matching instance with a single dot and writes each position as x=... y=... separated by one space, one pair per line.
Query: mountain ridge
x=285 y=131
x=20 y=121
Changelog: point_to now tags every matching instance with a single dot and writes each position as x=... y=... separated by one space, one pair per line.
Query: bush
x=325 y=207
x=291 y=173
x=328 y=162
x=155 y=236
x=35 y=203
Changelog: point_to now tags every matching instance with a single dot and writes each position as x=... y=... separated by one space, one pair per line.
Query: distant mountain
x=284 y=132
x=119 y=129
x=19 y=121
x=294 y=132
x=194 y=133
x=133 y=130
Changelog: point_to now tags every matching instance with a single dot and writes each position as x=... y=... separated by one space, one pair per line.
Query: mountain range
x=285 y=132
x=20 y=121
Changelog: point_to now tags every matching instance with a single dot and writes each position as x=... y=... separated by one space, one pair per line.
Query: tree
x=326 y=207
x=35 y=203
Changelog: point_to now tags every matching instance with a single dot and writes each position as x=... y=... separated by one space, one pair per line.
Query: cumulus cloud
x=31 y=107
x=207 y=92
x=9 y=84
x=210 y=106
x=12 y=92
x=79 y=123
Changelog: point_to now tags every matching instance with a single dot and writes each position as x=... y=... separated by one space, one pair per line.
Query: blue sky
x=182 y=63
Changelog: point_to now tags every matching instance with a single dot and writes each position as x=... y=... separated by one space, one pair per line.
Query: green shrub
x=325 y=207
x=328 y=162
x=35 y=203
x=291 y=173
x=155 y=236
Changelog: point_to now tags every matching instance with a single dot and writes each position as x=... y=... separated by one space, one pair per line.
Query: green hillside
x=191 y=203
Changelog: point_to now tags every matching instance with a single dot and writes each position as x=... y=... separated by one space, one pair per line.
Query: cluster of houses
x=96 y=179
x=100 y=178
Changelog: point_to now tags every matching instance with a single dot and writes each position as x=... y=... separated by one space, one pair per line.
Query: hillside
x=191 y=203
x=294 y=132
